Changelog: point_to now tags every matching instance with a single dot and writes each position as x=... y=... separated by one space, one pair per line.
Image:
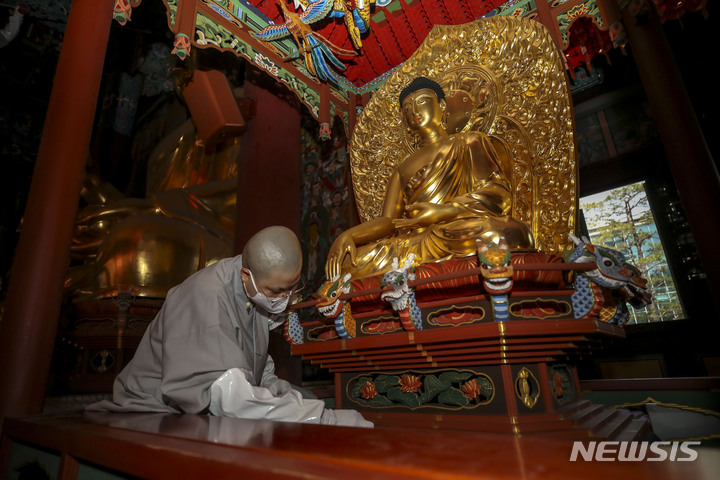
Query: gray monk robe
x=206 y=352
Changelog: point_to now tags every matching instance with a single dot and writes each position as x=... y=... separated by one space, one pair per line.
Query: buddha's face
x=421 y=109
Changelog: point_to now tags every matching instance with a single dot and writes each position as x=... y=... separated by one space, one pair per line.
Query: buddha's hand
x=343 y=245
x=424 y=214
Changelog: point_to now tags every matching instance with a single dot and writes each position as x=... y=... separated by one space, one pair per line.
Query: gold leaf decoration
x=503 y=76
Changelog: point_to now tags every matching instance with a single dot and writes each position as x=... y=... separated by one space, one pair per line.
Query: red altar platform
x=455 y=365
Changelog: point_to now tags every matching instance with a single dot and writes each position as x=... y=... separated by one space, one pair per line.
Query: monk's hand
x=343 y=245
x=424 y=214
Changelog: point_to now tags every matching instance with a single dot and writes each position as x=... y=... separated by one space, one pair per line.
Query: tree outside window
x=622 y=219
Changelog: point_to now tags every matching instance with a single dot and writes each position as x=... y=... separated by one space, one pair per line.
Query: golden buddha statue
x=185 y=222
x=149 y=244
x=450 y=192
x=479 y=146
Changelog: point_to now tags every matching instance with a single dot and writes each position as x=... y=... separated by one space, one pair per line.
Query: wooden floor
x=197 y=446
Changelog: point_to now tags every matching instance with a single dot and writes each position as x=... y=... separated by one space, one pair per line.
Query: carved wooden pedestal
x=515 y=377
x=95 y=341
x=457 y=367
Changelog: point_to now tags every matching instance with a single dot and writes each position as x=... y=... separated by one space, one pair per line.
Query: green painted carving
x=405 y=398
x=172 y=11
x=211 y=34
x=443 y=389
x=453 y=396
x=562 y=385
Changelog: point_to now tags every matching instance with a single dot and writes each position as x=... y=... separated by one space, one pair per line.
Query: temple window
x=622 y=218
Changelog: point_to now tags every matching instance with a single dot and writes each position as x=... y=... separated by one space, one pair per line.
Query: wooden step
x=573 y=407
x=583 y=414
x=599 y=419
x=638 y=429
x=615 y=426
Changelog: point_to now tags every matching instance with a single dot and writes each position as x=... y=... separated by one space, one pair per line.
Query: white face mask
x=274 y=305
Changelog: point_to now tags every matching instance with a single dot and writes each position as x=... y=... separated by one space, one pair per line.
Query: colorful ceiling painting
x=382 y=33
x=334 y=53
x=357 y=53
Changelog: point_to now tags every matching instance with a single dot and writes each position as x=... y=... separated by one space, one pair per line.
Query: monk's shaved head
x=272 y=249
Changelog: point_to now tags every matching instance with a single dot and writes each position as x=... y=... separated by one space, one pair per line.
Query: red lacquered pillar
x=269 y=183
x=29 y=322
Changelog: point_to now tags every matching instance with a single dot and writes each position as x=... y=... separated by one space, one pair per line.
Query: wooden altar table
x=112 y=445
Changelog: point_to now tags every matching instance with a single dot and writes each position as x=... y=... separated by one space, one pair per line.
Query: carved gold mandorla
x=505 y=77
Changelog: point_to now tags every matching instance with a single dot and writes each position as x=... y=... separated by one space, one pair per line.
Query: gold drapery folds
x=505 y=77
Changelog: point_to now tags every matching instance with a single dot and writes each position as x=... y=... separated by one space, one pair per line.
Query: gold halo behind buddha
x=502 y=76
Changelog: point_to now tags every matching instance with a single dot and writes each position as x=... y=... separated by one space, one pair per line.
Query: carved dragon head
x=497 y=270
x=613 y=271
x=329 y=295
x=398 y=278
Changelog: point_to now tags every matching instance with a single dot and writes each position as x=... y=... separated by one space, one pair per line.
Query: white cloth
x=232 y=395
